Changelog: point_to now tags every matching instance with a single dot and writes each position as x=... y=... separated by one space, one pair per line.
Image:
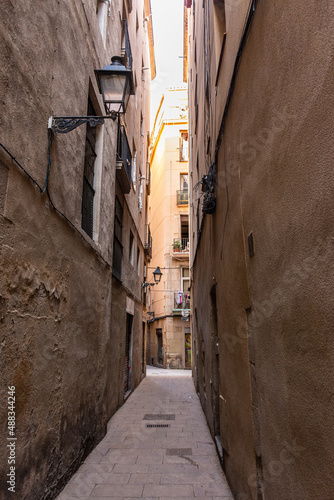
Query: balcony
x=182 y=197
x=181 y=300
x=123 y=161
x=181 y=305
x=180 y=248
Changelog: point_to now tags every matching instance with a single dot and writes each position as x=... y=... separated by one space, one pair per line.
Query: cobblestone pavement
x=157 y=447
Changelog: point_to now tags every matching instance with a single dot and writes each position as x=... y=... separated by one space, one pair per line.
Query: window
x=185 y=279
x=118 y=247
x=184 y=226
x=184 y=182
x=160 y=349
x=140 y=194
x=134 y=170
x=184 y=145
x=131 y=248
x=141 y=124
x=88 y=191
x=143 y=360
x=91 y=188
x=137 y=25
x=102 y=9
x=196 y=105
x=125 y=44
x=138 y=261
x=182 y=194
x=124 y=156
x=219 y=32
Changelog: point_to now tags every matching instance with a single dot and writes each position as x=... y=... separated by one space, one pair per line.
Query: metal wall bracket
x=64 y=124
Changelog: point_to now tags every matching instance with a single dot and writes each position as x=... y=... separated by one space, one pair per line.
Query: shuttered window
x=118 y=247
x=88 y=178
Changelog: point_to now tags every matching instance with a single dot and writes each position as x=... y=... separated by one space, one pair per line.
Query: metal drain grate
x=151 y=416
x=179 y=452
x=157 y=425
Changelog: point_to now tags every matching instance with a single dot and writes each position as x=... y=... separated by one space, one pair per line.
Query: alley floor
x=157 y=447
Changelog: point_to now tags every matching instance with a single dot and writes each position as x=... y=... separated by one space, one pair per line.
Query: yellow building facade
x=168 y=303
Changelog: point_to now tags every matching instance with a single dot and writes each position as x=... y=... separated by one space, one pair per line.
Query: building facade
x=261 y=123
x=73 y=217
x=168 y=302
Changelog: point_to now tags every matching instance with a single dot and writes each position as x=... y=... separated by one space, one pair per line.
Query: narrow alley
x=158 y=446
x=166 y=249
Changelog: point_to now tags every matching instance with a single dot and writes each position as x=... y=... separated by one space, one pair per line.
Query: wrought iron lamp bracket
x=64 y=124
x=145 y=284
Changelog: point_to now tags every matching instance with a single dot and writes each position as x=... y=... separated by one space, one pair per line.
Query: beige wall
x=271 y=398
x=62 y=312
x=166 y=168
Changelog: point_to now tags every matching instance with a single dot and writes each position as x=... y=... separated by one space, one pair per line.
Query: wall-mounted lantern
x=115 y=84
x=157 y=274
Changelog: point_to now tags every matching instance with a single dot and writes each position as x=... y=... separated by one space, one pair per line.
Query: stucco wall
x=274 y=309
x=56 y=342
x=62 y=313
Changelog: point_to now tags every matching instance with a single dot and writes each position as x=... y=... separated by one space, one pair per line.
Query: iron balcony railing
x=181 y=300
x=126 y=47
x=181 y=245
x=182 y=197
x=123 y=150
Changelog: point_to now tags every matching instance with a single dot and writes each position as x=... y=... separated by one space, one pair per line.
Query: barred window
x=88 y=191
x=118 y=247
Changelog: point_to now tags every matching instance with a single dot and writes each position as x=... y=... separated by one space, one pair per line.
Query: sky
x=167 y=18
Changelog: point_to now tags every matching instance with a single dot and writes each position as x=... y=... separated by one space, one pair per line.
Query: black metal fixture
x=157 y=278
x=115 y=84
x=208 y=188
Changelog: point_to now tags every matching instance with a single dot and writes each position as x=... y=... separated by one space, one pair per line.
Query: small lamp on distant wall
x=157 y=275
x=157 y=278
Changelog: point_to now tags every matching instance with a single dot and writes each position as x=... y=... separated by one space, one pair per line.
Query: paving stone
x=98 y=468
x=150 y=459
x=170 y=491
x=81 y=490
x=131 y=469
x=188 y=498
x=123 y=490
x=150 y=478
x=212 y=489
x=132 y=461
x=188 y=478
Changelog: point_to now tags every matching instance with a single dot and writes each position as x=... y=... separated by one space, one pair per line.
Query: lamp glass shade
x=116 y=84
x=113 y=87
x=157 y=275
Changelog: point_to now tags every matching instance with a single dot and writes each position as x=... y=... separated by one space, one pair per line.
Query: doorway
x=187 y=337
x=128 y=354
x=160 y=352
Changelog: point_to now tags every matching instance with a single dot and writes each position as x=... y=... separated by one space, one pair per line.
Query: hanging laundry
x=179 y=298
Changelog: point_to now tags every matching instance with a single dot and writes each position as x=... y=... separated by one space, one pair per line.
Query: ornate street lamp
x=157 y=275
x=157 y=278
x=115 y=84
